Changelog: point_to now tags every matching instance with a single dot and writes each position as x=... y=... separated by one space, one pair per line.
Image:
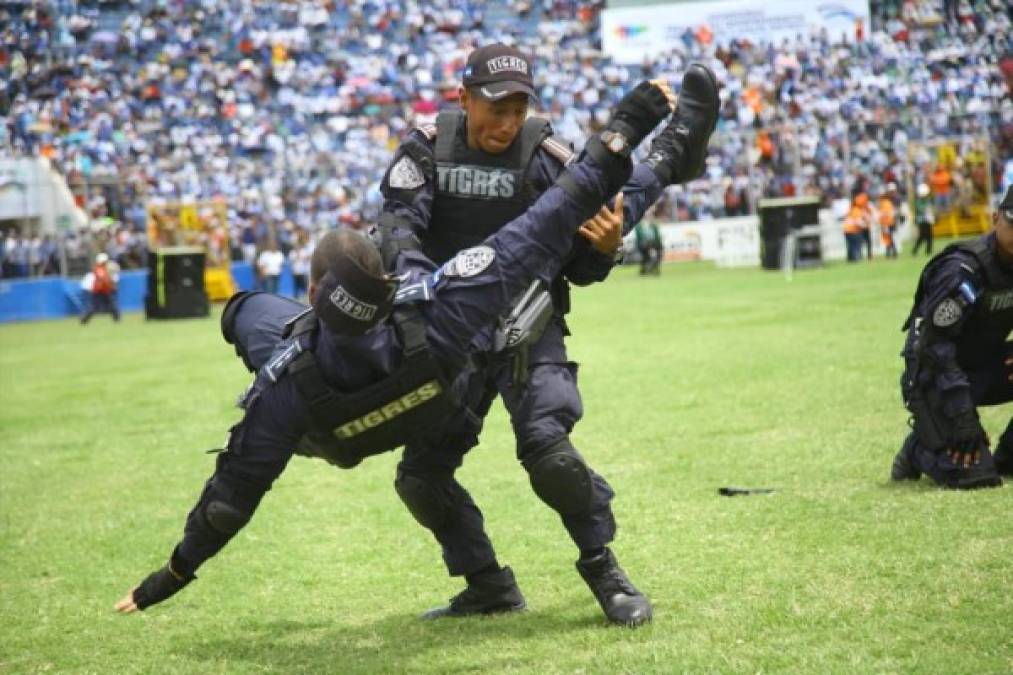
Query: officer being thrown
x=957 y=357
x=366 y=375
x=450 y=185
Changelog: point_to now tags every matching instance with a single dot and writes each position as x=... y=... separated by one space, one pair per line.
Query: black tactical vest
x=477 y=193
x=384 y=416
x=992 y=319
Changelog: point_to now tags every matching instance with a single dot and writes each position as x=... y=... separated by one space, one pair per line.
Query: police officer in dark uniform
x=450 y=185
x=958 y=356
x=377 y=359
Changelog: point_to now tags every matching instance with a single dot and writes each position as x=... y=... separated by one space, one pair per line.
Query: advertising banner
x=631 y=34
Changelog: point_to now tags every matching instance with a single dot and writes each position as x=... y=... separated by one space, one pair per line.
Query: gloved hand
x=967 y=439
x=160 y=585
x=642 y=109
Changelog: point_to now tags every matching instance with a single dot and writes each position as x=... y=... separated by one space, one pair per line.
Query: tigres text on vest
x=473 y=181
x=1001 y=301
x=386 y=413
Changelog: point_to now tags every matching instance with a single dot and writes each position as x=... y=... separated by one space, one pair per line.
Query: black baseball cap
x=496 y=71
x=349 y=300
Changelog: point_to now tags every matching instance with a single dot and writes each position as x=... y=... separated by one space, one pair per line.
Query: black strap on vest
x=533 y=133
x=446 y=133
x=994 y=274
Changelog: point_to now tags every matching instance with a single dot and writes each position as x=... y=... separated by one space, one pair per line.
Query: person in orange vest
x=888 y=219
x=856 y=223
x=105 y=277
x=862 y=201
x=941 y=182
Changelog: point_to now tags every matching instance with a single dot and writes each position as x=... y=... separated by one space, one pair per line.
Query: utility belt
x=381 y=417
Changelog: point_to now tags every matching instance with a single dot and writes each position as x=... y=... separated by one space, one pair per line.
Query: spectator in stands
x=925 y=218
x=648 y=238
x=856 y=223
x=102 y=287
x=299 y=258
x=941 y=182
x=886 y=211
x=269 y=266
x=261 y=98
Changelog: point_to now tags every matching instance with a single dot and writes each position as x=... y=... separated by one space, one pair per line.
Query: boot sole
x=447 y=613
x=976 y=483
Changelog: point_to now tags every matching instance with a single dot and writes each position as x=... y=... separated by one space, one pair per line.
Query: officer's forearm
x=223 y=509
x=946 y=377
x=540 y=240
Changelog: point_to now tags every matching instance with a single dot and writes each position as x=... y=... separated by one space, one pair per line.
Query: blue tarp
x=55 y=297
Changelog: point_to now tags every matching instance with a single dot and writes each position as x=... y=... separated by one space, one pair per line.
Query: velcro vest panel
x=477 y=193
x=383 y=416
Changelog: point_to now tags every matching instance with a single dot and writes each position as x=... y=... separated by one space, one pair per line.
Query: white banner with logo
x=729 y=242
x=735 y=242
x=631 y=34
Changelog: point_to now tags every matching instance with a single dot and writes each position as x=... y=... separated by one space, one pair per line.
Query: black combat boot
x=1004 y=452
x=903 y=463
x=678 y=152
x=1004 y=461
x=981 y=475
x=487 y=593
x=618 y=597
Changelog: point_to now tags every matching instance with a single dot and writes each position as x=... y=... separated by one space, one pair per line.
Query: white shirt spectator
x=270 y=262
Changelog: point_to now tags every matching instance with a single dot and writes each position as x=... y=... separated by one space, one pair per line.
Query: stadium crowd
x=290 y=111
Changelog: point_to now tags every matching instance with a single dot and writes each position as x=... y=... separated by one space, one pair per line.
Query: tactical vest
x=992 y=319
x=383 y=416
x=476 y=193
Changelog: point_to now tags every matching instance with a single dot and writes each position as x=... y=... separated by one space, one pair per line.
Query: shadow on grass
x=397 y=643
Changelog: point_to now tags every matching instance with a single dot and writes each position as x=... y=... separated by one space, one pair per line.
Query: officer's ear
x=311 y=292
x=464 y=98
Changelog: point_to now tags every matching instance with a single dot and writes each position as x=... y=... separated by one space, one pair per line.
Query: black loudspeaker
x=778 y=217
x=176 y=284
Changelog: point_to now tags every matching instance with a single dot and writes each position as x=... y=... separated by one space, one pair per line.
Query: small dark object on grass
x=735 y=491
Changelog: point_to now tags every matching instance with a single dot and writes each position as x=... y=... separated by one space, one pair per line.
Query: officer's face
x=493 y=125
x=1002 y=222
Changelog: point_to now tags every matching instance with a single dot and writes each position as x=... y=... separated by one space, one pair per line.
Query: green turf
x=694 y=380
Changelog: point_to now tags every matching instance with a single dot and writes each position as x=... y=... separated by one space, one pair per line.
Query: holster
x=523 y=327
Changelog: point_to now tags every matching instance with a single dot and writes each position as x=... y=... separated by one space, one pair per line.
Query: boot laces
x=611 y=580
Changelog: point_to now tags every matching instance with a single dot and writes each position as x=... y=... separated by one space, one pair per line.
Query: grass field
x=698 y=379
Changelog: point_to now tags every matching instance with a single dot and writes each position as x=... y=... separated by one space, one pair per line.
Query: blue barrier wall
x=56 y=297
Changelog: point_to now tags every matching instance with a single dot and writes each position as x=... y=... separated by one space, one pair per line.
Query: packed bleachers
x=290 y=111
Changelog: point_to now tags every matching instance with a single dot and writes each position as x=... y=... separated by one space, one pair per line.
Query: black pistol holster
x=523 y=327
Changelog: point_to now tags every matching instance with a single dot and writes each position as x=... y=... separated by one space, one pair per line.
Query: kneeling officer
x=958 y=357
x=355 y=349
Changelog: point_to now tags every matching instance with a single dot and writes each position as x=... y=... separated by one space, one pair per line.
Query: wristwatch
x=616 y=143
x=619 y=254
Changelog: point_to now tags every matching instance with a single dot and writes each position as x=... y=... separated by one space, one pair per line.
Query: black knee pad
x=560 y=478
x=224 y=517
x=425 y=501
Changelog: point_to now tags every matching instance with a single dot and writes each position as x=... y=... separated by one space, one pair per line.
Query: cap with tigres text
x=498 y=70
